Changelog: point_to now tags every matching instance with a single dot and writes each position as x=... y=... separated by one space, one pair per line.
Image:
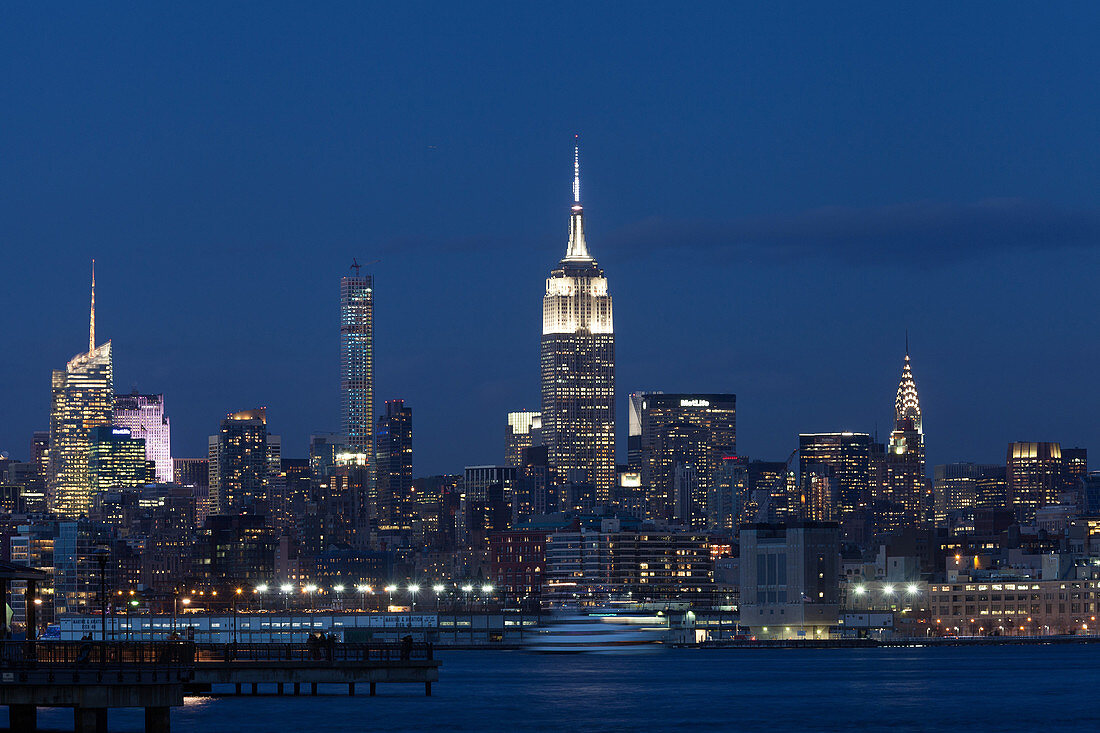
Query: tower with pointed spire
x=578 y=362
x=906 y=495
x=82 y=399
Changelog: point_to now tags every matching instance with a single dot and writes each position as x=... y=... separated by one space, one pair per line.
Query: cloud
x=920 y=233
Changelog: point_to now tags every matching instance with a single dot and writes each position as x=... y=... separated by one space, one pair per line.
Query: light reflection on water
x=984 y=688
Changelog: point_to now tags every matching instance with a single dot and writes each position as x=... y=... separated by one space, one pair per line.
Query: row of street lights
x=364 y=590
x=888 y=590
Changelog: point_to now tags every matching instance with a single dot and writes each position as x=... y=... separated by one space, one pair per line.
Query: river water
x=959 y=689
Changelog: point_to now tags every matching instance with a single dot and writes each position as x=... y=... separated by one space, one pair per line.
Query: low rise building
x=789 y=579
x=1006 y=606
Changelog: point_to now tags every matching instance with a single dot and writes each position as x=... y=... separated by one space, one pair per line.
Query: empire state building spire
x=578 y=248
x=907 y=404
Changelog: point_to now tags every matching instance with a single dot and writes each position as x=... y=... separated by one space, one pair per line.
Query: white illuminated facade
x=144 y=415
x=578 y=361
x=522 y=433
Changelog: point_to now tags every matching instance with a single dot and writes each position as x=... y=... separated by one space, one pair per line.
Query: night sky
x=775 y=196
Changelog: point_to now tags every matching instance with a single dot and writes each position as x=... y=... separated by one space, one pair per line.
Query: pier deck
x=93 y=676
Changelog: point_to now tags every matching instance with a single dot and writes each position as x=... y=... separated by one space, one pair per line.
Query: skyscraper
x=82 y=397
x=144 y=415
x=521 y=434
x=357 y=360
x=394 y=465
x=240 y=464
x=1035 y=476
x=685 y=435
x=904 y=488
x=955 y=487
x=578 y=361
x=116 y=459
x=848 y=456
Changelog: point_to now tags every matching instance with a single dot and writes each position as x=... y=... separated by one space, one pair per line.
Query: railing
x=96 y=654
x=319 y=651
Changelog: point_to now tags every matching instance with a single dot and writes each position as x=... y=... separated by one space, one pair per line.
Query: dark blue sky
x=776 y=195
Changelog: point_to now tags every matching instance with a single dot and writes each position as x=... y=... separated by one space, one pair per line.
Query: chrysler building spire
x=907 y=404
x=578 y=248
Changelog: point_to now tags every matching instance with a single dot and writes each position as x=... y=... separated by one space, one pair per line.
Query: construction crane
x=355 y=265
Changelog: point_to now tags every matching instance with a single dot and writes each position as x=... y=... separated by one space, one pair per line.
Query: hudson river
x=957 y=689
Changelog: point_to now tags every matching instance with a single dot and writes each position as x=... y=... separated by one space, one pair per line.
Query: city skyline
x=749 y=216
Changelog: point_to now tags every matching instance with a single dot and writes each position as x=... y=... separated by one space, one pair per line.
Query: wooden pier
x=93 y=676
x=290 y=666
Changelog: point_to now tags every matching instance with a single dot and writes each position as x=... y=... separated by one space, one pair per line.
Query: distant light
x=414 y=588
x=286 y=587
x=888 y=590
x=913 y=589
x=467 y=588
x=391 y=588
x=486 y=589
x=860 y=590
x=38 y=601
x=310 y=588
x=438 y=587
x=261 y=588
x=363 y=588
x=186 y=601
x=239 y=591
x=338 y=588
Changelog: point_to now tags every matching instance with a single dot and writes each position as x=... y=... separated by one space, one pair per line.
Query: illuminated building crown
x=907 y=404
x=578 y=247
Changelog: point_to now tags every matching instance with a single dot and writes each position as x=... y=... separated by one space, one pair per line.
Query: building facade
x=116 y=459
x=578 y=362
x=239 y=464
x=357 y=360
x=522 y=433
x=144 y=415
x=1008 y=606
x=594 y=566
x=1035 y=476
x=82 y=399
x=789 y=579
x=955 y=486
x=394 y=463
x=848 y=457
x=679 y=442
x=903 y=499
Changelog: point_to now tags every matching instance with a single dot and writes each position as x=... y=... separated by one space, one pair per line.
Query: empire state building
x=578 y=362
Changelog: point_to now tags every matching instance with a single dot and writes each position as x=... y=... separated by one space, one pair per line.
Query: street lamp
x=363 y=591
x=286 y=588
x=467 y=589
x=413 y=590
x=337 y=589
x=310 y=590
x=438 y=588
x=390 y=589
x=486 y=589
x=260 y=590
